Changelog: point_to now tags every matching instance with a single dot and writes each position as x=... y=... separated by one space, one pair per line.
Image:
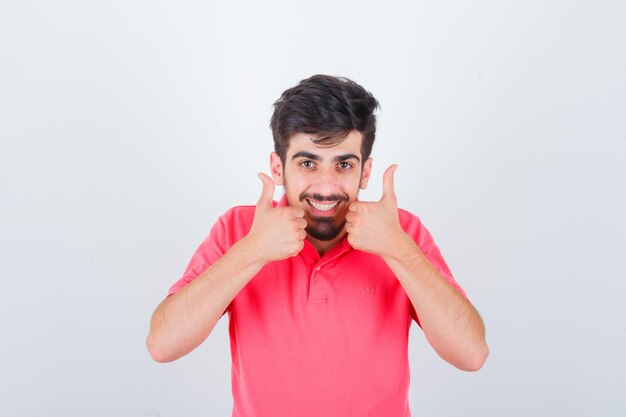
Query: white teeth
x=323 y=207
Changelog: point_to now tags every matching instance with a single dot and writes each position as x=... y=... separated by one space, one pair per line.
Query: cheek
x=294 y=187
x=351 y=186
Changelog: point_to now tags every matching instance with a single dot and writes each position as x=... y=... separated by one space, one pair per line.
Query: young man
x=320 y=288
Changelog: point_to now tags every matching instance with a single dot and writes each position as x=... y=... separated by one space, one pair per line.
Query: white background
x=127 y=127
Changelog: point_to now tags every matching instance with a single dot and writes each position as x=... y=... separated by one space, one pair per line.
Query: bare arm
x=450 y=322
x=185 y=319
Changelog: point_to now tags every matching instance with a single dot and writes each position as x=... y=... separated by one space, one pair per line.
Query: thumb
x=268 y=191
x=389 y=192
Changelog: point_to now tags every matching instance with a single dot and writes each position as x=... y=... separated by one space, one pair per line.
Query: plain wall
x=127 y=128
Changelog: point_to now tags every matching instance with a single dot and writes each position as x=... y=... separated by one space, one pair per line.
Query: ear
x=276 y=167
x=365 y=175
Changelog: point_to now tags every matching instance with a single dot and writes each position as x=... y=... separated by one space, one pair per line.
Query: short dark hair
x=327 y=107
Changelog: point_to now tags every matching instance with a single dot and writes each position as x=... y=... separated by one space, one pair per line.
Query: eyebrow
x=312 y=156
x=345 y=157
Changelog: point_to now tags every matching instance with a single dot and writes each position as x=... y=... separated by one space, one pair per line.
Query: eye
x=307 y=164
x=345 y=165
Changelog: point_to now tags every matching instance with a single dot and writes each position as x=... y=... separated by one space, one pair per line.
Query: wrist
x=402 y=249
x=250 y=251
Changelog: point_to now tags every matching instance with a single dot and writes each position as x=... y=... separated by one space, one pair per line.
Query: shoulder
x=236 y=222
x=409 y=221
x=414 y=227
x=243 y=214
x=407 y=215
x=239 y=214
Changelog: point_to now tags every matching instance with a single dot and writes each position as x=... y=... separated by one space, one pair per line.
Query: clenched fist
x=374 y=227
x=277 y=232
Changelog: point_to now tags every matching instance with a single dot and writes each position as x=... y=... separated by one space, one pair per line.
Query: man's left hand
x=374 y=227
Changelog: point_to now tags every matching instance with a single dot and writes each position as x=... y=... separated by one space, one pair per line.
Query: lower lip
x=327 y=213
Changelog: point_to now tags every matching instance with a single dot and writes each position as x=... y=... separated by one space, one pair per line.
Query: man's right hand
x=277 y=232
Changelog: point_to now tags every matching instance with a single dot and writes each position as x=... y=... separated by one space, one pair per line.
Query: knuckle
x=292 y=212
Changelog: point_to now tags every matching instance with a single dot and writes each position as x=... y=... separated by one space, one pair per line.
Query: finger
x=298 y=223
x=297 y=212
x=301 y=223
x=388 y=186
x=267 y=194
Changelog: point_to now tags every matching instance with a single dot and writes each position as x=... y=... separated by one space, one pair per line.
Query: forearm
x=185 y=319
x=451 y=324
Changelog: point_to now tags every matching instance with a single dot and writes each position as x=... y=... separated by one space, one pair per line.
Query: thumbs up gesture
x=277 y=232
x=374 y=227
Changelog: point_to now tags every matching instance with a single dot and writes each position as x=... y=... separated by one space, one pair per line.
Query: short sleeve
x=423 y=238
x=209 y=251
x=229 y=228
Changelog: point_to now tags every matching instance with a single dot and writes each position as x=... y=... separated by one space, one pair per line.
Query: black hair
x=327 y=107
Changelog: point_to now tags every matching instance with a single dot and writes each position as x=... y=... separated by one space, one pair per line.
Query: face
x=323 y=181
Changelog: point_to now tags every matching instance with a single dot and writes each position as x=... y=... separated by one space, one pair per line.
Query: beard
x=324 y=228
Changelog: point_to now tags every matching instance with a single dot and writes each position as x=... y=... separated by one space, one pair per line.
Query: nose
x=326 y=182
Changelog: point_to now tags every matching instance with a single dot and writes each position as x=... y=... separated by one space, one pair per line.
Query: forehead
x=302 y=142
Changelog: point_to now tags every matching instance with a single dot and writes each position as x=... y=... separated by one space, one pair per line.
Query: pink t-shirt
x=315 y=336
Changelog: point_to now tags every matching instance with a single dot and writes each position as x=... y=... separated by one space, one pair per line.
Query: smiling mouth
x=323 y=206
